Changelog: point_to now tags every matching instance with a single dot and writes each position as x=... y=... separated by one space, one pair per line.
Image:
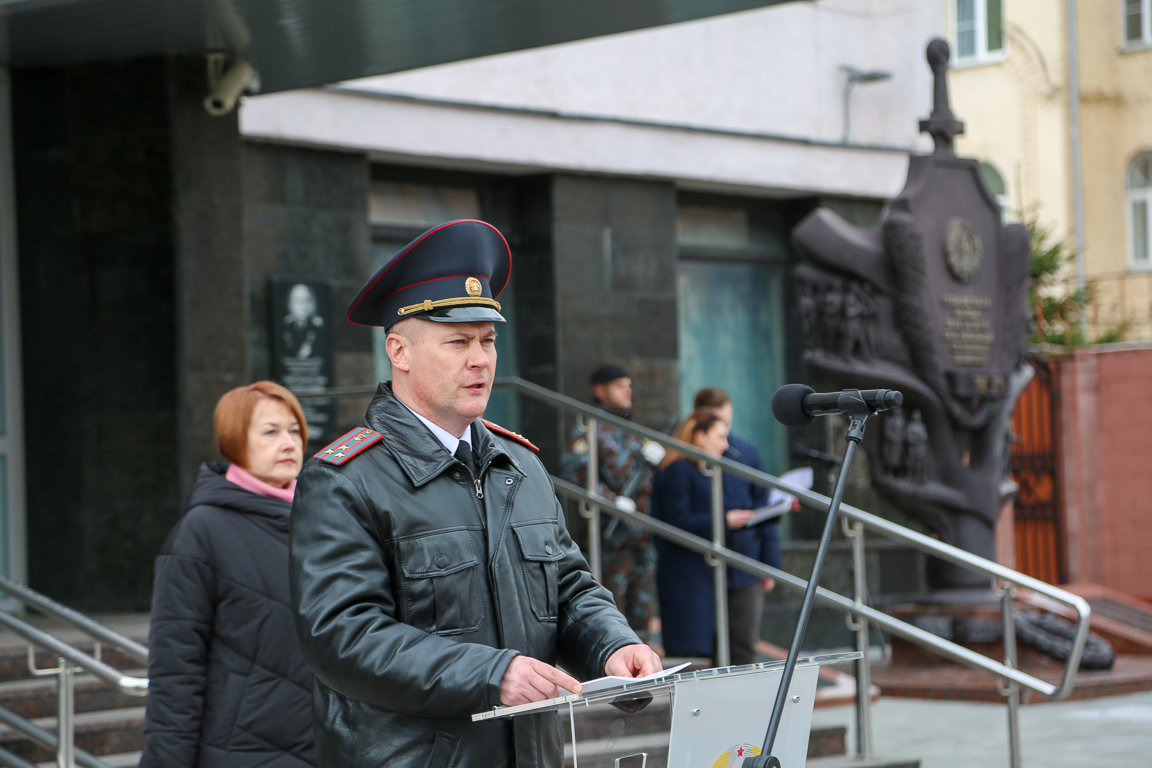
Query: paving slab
x=1111 y=732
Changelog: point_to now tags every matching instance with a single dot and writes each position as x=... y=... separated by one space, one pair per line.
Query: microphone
x=795 y=405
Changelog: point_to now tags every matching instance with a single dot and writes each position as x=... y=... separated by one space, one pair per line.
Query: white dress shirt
x=450 y=441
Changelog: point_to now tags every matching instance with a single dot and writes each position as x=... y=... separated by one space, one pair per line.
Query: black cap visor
x=461 y=315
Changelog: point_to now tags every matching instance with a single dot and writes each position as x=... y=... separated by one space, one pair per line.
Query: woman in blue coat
x=682 y=496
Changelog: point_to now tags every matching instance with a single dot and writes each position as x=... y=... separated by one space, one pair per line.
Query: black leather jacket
x=412 y=595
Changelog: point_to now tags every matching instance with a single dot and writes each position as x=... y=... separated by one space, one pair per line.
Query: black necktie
x=464 y=455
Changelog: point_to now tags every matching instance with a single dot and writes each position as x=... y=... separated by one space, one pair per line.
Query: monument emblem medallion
x=963 y=249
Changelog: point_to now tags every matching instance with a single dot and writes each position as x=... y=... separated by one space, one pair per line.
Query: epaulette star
x=351 y=444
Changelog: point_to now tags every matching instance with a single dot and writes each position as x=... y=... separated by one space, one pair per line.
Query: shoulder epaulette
x=349 y=445
x=509 y=433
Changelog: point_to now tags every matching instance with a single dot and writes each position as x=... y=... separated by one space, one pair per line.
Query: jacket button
x=508 y=481
x=456 y=475
x=547 y=549
x=441 y=561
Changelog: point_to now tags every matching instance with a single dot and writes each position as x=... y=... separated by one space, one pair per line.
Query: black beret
x=607 y=373
x=450 y=274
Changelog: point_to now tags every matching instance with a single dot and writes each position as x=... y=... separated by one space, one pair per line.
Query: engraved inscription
x=967 y=330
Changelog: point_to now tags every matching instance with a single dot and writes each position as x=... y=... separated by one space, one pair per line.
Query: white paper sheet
x=780 y=502
x=612 y=681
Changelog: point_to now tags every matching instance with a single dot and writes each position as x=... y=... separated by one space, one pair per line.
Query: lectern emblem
x=963 y=249
x=473 y=287
x=734 y=757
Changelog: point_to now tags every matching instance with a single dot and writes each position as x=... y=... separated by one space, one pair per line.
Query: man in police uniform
x=628 y=557
x=432 y=574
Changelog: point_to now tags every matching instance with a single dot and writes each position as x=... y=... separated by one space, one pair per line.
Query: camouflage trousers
x=628 y=570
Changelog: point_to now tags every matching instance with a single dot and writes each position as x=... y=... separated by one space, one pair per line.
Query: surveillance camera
x=225 y=91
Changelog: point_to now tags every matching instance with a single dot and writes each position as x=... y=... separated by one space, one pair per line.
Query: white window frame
x=1131 y=197
x=1145 y=40
x=982 y=55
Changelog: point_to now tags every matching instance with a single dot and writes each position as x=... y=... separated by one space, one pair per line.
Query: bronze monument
x=932 y=301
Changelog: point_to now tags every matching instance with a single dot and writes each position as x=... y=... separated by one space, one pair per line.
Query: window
x=1137 y=22
x=1139 y=184
x=979 y=30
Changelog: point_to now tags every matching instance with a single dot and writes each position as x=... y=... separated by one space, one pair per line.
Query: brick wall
x=1106 y=459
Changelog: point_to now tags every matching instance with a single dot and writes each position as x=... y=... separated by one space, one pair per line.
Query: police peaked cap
x=450 y=274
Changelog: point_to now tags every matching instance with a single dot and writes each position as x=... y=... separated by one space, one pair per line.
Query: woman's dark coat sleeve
x=178 y=642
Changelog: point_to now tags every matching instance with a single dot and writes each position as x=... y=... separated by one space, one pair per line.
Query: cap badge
x=472 y=287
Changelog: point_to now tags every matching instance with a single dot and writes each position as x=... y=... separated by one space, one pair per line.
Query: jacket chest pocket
x=441 y=586
x=541 y=560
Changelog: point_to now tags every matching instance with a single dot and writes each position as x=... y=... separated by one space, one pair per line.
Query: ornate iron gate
x=1039 y=537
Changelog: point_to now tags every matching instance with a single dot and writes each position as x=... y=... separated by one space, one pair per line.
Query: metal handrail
x=831 y=599
x=133 y=686
x=68 y=659
x=42 y=737
x=93 y=629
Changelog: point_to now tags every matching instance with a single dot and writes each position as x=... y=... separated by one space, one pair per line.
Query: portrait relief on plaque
x=962 y=249
x=300 y=335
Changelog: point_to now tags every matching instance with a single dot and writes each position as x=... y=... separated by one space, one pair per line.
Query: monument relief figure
x=916 y=438
x=858 y=312
x=936 y=307
x=894 y=439
x=832 y=314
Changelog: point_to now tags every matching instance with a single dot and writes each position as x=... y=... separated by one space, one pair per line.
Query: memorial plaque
x=300 y=333
x=932 y=301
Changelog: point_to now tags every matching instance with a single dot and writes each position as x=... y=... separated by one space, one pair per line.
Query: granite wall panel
x=97 y=238
x=614 y=256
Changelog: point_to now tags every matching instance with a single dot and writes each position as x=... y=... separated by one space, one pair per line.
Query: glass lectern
x=711 y=718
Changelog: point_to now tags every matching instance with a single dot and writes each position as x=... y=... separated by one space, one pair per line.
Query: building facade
x=647 y=183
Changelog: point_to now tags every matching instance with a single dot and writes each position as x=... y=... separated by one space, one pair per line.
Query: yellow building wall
x=1016 y=113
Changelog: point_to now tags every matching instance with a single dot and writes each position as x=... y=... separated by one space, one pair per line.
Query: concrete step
x=109 y=732
x=124 y=760
x=37 y=697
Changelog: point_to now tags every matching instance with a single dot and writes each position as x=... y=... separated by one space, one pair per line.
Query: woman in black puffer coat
x=229 y=685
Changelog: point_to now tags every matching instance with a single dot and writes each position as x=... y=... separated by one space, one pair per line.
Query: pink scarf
x=249 y=482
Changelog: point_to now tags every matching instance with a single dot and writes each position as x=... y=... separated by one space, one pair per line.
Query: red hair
x=233 y=417
x=701 y=420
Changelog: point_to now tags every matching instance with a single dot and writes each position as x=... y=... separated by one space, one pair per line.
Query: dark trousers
x=745 y=606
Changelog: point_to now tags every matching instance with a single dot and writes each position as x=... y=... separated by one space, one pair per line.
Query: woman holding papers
x=682 y=496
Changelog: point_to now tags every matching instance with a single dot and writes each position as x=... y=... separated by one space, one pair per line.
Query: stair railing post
x=720 y=569
x=591 y=512
x=1010 y=689
x=860 y=626
x=65 y=733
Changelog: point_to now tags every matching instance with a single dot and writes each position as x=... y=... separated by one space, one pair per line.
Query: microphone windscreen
x=788 y=405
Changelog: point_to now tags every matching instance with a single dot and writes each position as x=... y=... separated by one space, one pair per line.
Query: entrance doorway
x=732 y=302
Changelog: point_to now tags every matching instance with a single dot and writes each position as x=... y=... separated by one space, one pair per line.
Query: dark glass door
x=732 y=335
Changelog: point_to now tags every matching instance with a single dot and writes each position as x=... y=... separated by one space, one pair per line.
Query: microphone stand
x=857 y=412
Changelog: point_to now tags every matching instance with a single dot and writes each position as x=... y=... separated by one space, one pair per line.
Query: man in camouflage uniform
x=628 y=557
